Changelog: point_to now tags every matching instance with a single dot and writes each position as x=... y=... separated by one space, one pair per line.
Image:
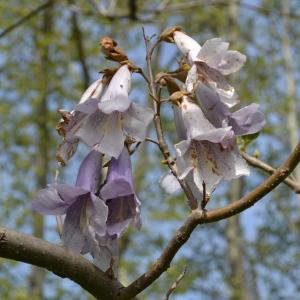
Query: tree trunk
x=41 y=113
x=236 y=256
x=292 y=123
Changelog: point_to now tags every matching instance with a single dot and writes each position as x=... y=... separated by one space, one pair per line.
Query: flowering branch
x=198 y=216
x=158 y=124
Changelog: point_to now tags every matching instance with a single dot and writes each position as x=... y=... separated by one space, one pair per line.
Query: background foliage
x=48 y=61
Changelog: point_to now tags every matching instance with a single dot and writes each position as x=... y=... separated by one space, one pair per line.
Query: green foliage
x=270 y=236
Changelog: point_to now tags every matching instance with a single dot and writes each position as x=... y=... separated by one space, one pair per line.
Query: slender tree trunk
x=236 y=250
x=236 y=256
x=41 y=113
x=292 y=123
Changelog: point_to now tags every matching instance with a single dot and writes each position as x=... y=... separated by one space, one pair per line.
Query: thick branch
x=57 y=259
x=25 y=18
x=200 y=217
x=255 y=162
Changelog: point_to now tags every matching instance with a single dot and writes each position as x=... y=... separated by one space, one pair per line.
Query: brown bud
x=107 y=44
x=167 y=34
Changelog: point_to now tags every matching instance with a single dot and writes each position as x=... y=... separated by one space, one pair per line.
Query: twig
x=141 y=72
x=25 y=18
x=255 y=162
x=192 y=201
x=152 y=141
x=198 y=217
x=77 y=35
x=175 y=284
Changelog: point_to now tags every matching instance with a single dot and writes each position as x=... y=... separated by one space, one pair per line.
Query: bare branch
x=25 y=18
x=59 y=260
x=255 y=162
x=175 y=284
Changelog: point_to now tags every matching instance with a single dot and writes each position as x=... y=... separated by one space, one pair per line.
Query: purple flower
x=119 y=195
x=71 y=122
x=210 y=63
x=123 y=208
x=113 y=117
x=208 y=154
x=86 y=213
x=246 y=120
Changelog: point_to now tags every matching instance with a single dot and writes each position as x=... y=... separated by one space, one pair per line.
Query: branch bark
x=256 y=163
x=59 y=260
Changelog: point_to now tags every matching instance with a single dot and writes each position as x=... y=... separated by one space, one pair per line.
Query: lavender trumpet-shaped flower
x=210 y=63
x=247 y=120
x=206 y=78
x=113 y=118
x=119 y=195
x=208 y=154
x=71 y=122
x=86 y=214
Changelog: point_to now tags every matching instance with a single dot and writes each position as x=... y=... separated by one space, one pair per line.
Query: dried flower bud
x=167 y=34
x=107 y=44
x=109 y=48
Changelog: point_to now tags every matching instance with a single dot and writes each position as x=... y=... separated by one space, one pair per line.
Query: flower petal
x=217 y=81
x=72 y=235
x=93 y=91
x=48 y=202
x=112 y=140
x=98 y=212
x=115 y=98
x=216 y=163
x=136 y=121
x=121 y=211
x=121 y=103
x=213 y=51
x=231 y=62
x=198 y=127
x=69 y=193
x=169 y=183
x=179 y=124
x=247 y=120
x=187 y=46
x=119 y=180
x=89 y=174
x=88 y=107
x=183 y=163
x=214 y=109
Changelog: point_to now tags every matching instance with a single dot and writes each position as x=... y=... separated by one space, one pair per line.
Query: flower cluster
x=207 y=152
x=98 y=211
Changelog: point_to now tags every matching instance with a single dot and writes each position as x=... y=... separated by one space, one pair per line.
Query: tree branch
x=25 y=18
x=192 y=201
x=59 y=260
x=255 y=162
x=198 y=216
x=78 y=39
